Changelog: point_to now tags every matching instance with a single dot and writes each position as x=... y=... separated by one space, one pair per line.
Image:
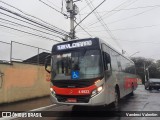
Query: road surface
x=142 y=100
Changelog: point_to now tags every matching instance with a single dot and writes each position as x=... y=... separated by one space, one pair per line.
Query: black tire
x=150 y=88
x=132 y=90
x=145 y=87
x=117 y=98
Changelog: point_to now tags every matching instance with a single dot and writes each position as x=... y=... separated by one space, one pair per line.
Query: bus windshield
x=85 y=64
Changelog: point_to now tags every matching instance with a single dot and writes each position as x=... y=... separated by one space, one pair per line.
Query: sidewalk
x=26 y=105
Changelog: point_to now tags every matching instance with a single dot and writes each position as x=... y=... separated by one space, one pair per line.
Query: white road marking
x=41 y=108
x=37 y=109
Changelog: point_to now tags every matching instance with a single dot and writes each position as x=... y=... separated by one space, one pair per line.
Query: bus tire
x=145 y=87
x=117 y=97
x=132 y=90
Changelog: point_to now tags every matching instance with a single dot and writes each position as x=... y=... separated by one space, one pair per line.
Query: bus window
x=87 y=64
x=107 y=61
x=114 y=61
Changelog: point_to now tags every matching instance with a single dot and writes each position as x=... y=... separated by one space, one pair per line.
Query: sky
x=131 y=25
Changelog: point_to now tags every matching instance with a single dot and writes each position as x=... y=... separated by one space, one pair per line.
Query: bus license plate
x=73 y=100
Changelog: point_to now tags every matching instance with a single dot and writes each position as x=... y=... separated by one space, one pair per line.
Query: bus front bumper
x=99 y=99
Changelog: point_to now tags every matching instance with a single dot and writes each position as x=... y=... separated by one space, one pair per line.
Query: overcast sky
x=134 y=24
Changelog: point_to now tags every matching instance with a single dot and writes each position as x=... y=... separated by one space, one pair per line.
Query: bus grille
x=80 y=99
x=73 y=84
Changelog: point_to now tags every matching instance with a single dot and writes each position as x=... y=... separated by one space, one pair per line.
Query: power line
x=142 y=42
x=53 y=8
x=141 y=27
x=104 y=16
x=103 y=24
x=53 y=4
x=33 y=21
x=90 y=13
x=131 y=16
x=29 y=33
x=32 y=16
x=127 y=9
x=126 y=17
x=86 y=6
x=29 y=27
x=84 y=29
x=27 y=22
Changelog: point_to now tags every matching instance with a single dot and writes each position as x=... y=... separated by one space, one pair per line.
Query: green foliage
x=144 y=64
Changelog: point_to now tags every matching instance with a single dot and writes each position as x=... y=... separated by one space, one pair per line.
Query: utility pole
x=147 y=73
x=144 y=71
x=73 y=11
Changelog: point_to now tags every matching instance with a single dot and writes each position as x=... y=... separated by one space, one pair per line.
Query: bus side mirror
x=47 y=62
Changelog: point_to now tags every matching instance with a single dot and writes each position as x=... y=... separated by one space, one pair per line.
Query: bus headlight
x=96 y=91
x=99 y=89
x=52 y=91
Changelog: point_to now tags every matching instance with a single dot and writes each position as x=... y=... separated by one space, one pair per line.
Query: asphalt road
x=142 y=100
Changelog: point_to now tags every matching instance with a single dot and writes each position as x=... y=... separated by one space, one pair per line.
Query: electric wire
x=32 y=16
x=131 y=16
x=121 y=29
x=29 y=33
x=84 y=29
x=140 y=42
x=90 y=13
x=103 y=24
x=33 y=21
x=104 y=16
x=126 y=17
x=143 y=7
x=53 y=8
x=27 y=22
x=85 y=6
x=29 y=27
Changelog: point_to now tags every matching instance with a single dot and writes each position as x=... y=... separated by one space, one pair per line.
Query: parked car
x=152 y=83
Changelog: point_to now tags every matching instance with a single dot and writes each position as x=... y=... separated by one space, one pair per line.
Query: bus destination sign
x=74 y=45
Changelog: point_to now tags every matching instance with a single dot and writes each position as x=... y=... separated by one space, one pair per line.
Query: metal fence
x=5 y=50
x=20 y=52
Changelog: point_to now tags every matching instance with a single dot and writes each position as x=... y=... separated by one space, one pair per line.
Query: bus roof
x=102 y=41
x=81 y=43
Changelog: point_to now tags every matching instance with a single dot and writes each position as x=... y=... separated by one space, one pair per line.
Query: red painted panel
x=129 y=81
x=74 y=91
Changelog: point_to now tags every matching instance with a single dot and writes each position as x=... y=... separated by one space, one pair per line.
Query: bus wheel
x=145 y=87
x=150 y=88
x=116 y=102
x=132 y=90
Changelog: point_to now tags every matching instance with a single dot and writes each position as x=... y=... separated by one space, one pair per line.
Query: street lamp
x=134 y=53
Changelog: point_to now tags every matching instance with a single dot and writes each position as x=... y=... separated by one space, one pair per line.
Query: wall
x=20 y=81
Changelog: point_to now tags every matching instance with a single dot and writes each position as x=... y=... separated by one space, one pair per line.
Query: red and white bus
x=89 y=72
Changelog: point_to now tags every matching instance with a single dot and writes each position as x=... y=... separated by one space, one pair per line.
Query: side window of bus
x=124 y=65
x=107 y=61
x=114 y=62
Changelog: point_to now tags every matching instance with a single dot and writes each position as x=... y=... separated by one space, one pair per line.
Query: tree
x=142 y=64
